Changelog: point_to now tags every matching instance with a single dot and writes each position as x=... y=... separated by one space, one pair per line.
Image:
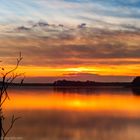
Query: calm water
x=74 y=114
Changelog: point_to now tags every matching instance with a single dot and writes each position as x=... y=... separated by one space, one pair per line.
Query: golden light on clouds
x=53 y=51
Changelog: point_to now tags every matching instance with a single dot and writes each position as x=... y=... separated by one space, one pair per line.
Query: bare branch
x=17 y=64
x=13 y=120
x=3 y=131
x=7 y=80
x=3 y=100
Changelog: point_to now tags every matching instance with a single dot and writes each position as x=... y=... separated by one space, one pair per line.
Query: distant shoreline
x=83 y=84
x=66 y=83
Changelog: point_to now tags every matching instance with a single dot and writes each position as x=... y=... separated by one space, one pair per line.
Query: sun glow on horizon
x=34 y=71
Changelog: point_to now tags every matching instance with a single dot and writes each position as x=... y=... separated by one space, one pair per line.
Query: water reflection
x=112 y=101
x=54 y=114
x=136 y=91
x=71 y=125
x=92 y=90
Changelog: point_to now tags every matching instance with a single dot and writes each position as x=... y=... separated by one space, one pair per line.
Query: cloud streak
x=81 y=46
x=72 y=34
x=71 y=12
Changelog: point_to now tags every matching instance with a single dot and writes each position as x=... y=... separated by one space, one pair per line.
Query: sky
x=71 y=39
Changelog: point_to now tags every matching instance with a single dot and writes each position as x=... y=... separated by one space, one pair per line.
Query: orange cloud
x=100 y=52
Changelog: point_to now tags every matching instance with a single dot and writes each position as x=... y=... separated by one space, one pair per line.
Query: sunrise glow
x=61 y=41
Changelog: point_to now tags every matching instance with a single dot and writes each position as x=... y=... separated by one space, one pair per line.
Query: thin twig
x=17 y=64
x=13 y=120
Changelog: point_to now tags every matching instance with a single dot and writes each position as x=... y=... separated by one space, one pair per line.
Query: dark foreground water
x=74 y=114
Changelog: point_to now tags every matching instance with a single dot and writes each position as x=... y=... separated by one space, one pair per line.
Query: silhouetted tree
x=7 y=80
x=136 y=81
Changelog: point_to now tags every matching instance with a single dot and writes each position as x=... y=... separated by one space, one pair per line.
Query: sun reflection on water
x=50 y=100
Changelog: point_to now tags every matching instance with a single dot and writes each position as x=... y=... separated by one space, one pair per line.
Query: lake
x=73 y=113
